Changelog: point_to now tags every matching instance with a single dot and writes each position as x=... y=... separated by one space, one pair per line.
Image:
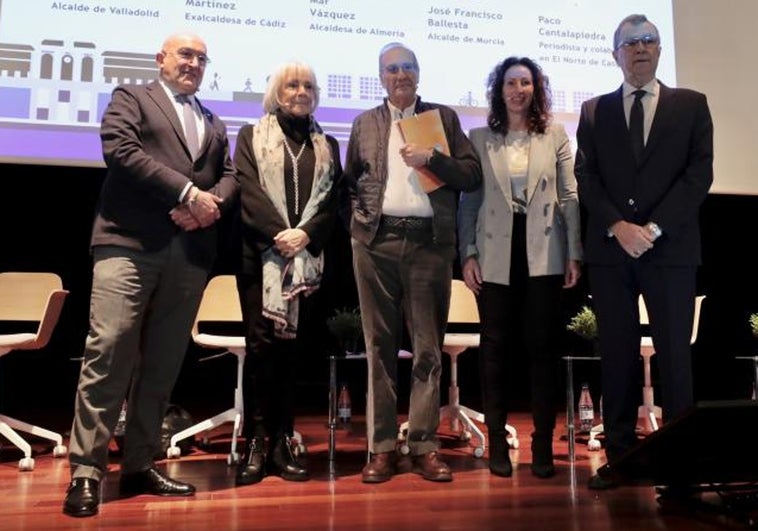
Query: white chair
x=36 y=298
x=463 y=310
x=649 y=412
x=220 y=304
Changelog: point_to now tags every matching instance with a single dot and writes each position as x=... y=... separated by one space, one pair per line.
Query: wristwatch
x=655 y=229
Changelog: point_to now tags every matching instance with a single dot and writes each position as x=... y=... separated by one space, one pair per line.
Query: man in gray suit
x=644 y=166
x=153 y=245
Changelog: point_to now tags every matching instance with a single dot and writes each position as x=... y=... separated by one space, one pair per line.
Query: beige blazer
x=485 y=217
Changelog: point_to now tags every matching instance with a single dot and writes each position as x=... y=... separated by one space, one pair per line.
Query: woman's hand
x=472 y=274
x=572 y=274
x=289 y=242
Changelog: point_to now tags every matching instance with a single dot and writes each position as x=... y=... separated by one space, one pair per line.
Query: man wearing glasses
x=169 y=177
x=644 y=165
x=403 y=250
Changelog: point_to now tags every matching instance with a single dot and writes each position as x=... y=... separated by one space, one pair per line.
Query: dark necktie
x=636 y=127
x=190 y=125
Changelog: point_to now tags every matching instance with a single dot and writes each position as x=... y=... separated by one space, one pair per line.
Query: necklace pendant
x=295 y=159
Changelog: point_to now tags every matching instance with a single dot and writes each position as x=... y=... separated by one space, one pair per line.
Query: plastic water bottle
x=586 y=409
x=344 y=407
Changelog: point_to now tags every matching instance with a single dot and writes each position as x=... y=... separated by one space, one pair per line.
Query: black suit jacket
x=667 y=186
x=149 y=165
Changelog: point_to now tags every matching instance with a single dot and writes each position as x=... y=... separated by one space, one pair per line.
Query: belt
x=406 y=222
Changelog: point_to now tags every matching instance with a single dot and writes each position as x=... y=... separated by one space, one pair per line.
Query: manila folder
x=426 y=130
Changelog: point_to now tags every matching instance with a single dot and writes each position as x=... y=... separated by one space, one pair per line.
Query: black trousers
x=269 y=373
x=669 y=293
x=522 y=317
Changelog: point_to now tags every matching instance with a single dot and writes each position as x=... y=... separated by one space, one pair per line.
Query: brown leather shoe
x=431 y=466
x=380 y=468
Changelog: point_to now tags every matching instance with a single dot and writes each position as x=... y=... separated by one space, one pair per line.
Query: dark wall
x=45 y=223
x=44 y=226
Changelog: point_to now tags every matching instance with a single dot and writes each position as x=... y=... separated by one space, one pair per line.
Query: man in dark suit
x=169 y=178
x=644 y=165
x=403 y=250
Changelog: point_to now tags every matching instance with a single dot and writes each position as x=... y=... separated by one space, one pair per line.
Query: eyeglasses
x=395 y=68
x=187 y=55
x=645 y=40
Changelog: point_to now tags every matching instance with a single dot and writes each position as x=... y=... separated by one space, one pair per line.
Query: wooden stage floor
x=475 y=500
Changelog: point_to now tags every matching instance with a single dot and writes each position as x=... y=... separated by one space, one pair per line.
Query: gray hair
x=634 y=20
x=392 y=46
x=279 y=77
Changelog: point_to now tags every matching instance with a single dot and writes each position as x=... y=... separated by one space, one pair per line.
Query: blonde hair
x=280 y=76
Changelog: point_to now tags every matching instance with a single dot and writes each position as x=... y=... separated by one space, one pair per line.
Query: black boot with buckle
x=251 y=468
x=281 y=460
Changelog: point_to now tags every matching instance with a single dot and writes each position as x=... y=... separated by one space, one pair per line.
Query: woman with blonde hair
x=288 y=171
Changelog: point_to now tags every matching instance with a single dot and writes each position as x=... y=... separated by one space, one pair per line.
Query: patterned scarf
x=285 y=278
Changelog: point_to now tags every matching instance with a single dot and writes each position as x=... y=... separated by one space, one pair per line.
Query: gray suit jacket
x=485 y=217
x=149 y=165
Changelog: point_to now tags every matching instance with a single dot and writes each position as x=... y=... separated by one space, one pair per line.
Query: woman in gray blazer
x=519 y=238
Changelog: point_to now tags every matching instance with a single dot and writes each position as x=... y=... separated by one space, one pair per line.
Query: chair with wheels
x=463 y=310
x=31 y=298
x=221 y=304
x=648 y=412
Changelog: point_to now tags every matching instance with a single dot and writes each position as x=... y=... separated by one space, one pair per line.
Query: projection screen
x=59 y=61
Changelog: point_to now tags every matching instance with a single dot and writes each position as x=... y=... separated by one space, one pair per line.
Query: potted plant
x=753 y=320
x=345 y=325
x=584 y=324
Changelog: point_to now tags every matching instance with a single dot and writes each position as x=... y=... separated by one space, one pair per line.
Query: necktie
x=636 y=128
x=190 y=125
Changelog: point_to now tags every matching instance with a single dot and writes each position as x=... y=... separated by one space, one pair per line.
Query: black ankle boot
x=542 y=456
x=500 y=460
x=251 y=467
x=281 y=461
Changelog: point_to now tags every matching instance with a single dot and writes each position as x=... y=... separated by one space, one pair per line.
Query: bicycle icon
x=468 y=100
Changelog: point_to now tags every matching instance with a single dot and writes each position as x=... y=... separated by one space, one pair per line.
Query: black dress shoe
x=251 y=468
x=597 y=482
x=281 y=461
x=82 y=497
x=151 y=481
